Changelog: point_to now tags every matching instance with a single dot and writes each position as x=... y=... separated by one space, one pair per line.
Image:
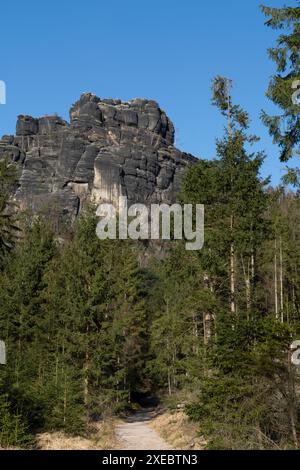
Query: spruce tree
x=249 y=348
x=285 y=127
x=20 y=289
x=233 y=194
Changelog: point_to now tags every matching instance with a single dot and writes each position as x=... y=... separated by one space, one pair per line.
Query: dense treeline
x=87 y=328
x=232 y=309
x=73 y=318
x=89 y=325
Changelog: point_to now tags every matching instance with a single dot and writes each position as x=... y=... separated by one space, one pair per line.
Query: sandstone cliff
x=109 y=148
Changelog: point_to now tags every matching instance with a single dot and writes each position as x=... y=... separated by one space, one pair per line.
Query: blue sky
x=167 y=50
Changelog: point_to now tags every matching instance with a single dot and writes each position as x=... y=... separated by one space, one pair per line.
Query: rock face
x=109 y=148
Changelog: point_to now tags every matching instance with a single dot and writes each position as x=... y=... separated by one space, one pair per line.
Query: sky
x=166 y=50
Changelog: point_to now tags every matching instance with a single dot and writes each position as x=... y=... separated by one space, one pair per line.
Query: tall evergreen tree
x=233 y=194
x=249 y=349
x=20 y=289
x=94 y=310
x=285 y=127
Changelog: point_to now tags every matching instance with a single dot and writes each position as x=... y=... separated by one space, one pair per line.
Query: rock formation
x=109 y=148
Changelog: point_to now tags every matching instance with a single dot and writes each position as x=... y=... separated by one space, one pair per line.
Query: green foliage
x=13 y=431
x=88 y=330
x=222 y=99
x=284 y=128
x=73 y=317
x=247 y=386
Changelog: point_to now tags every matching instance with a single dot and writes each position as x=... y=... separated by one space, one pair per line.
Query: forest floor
x=101 y=436
x=134 y=432
x=146 y=429
x=178 y=430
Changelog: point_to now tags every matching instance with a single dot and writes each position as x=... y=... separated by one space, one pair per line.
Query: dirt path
x=136 y=434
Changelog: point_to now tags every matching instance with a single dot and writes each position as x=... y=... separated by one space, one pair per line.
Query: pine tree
x=71 y=321
x=285 y=127
x=13 y=429
x=180 y=322
x=233 y=194
x=249 y=348
x=126 y=315
x=20 y=288
x=281 y=260
x=94 y=311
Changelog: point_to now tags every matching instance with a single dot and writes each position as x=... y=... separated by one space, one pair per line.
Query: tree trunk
x=56 y=366
x=281 y=282
x=276 y=281
x=291 y=399
x=65 y=398
x=196 y=334
x=206 y=327
x=169 y=383
x=247 y=281
x=86 y=372
x=232 y=272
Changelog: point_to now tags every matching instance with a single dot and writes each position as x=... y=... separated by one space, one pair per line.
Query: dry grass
x=9 y=448
x=176 y=428
x=101 y=436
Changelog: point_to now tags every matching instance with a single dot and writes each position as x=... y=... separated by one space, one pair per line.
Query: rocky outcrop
x=109 y=148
